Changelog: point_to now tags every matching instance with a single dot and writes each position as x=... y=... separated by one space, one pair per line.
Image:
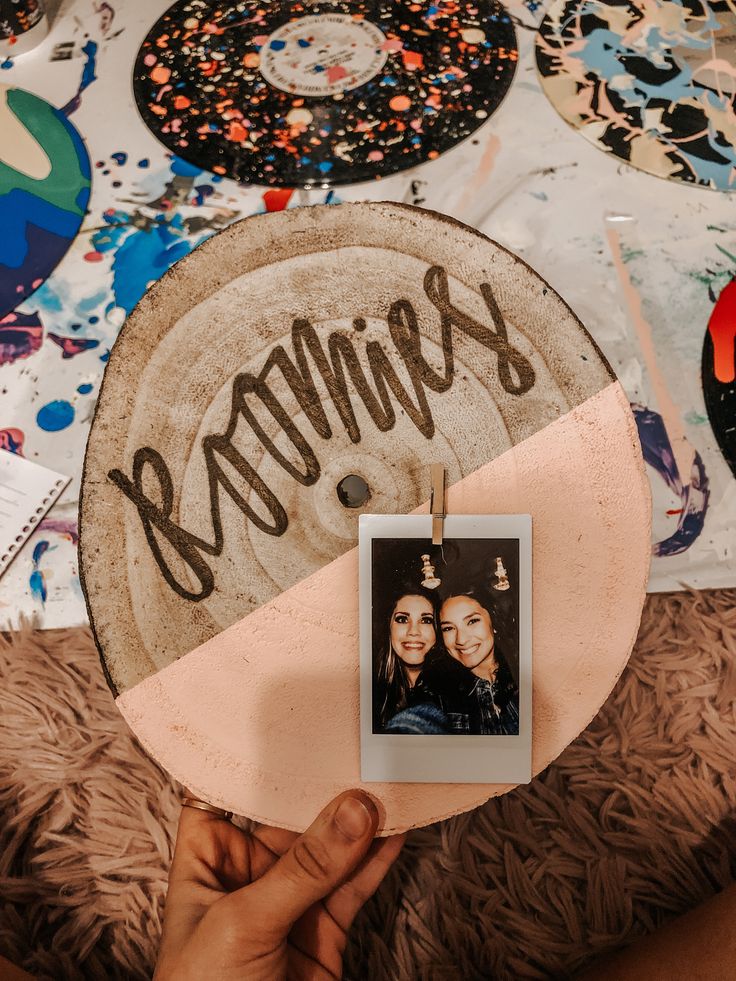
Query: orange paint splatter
x=236 y=132
x=400 y=103
x=413 y=60
x=181 y=102
x=160 y=75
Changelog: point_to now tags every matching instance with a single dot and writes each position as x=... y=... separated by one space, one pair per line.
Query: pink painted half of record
x=264 y=718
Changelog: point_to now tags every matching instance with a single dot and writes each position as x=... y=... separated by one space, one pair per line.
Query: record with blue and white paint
x=652 y=84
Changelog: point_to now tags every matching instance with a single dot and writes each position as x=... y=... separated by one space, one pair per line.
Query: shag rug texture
x=632 y=825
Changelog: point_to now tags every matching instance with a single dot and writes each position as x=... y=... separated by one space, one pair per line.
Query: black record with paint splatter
x=719 y=373
x=322 y=93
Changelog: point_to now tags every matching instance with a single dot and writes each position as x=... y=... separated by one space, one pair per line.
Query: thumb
x=316 y=863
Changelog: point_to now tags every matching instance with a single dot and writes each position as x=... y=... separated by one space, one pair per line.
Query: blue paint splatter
x=85 y=389
x=37 y=582
x=141 y=257
x=39 y=551
x=202 y=192
x=145 y=162
x=120 y=157
x=277 y=45
x=7 y=64
x=37 y=579
x=55 y=416
x=88 y=76
x=183 y=169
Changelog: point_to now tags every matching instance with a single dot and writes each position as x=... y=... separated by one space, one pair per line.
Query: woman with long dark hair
x=481 y=697
x=402 y=654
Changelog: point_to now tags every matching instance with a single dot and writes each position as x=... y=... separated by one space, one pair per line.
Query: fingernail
x=352 y=818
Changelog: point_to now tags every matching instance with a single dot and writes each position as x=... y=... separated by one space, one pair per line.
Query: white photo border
x=408 y=758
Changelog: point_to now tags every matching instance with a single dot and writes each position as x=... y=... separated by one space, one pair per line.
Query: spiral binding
x=48 y=500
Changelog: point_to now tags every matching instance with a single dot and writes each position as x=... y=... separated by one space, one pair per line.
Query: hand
x=271 y=904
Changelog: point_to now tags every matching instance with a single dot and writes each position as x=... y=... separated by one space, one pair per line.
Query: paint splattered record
x=325 y=93
x=44 y=190
x=651 y=83
x=719 y=373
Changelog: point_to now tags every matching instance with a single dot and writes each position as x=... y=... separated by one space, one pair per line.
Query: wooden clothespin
x=437 y=502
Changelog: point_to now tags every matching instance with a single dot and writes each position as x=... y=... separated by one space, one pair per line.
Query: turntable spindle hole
x=353 y=491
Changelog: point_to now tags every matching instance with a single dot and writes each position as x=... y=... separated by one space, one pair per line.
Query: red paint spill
x=722 y=329
x=674 y=511
x=93 y=257
x=278 y=199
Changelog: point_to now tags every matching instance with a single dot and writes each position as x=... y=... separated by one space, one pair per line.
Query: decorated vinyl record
x=651 y=83
x=719 y=373
x=316 y=94
x=294 y=372
x=44 y=189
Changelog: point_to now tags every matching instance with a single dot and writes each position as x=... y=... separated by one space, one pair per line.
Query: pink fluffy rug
x=632 y=825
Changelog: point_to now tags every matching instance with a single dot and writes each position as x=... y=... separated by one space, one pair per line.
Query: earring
x=502 y=583
x=430 y=581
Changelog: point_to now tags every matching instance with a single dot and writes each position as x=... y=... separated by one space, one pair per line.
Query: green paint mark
x=62 y=186
x=693 y=418
x=725 y=252
x=628 y=254
x=715 y=228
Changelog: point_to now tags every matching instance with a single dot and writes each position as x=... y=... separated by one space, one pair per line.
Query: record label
x=323 y=55
x=323 y=93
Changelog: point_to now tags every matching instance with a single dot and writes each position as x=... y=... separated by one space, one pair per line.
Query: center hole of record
x=353 y=491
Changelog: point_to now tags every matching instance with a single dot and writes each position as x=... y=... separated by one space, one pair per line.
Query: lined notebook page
x=27 y=491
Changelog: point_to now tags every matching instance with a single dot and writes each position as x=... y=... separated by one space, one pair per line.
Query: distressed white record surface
x=284 y=354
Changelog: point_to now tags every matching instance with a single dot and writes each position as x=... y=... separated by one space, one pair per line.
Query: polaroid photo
x=445 y=649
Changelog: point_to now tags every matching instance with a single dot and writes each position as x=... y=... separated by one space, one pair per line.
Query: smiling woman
x=400 y=655
x=484 y=698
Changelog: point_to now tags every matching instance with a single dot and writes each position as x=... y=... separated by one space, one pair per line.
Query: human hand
x=270 y=904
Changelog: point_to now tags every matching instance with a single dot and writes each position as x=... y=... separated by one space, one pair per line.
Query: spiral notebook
x=27 y=491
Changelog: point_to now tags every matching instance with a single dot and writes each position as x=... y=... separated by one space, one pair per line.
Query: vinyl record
x=284 y=355
x=719 y=373
x=44 y=190
x=325 y=93
x=651 y=83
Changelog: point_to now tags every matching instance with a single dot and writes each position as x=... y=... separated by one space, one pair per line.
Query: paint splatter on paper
x=21 y=335
x=37 y=579
x=691 y=488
